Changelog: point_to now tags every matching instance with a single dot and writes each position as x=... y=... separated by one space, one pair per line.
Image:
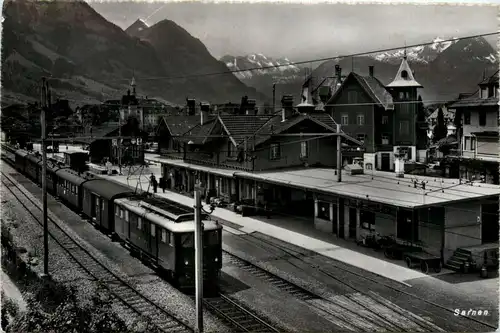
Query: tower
x=404 y=89
x=132 y=85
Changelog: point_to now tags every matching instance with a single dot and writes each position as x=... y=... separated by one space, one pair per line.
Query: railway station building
x=264 y=161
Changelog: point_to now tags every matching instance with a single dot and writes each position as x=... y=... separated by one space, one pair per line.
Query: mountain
x=445 y=69
x=286 y=69
x=137 y=29
x=89 y=59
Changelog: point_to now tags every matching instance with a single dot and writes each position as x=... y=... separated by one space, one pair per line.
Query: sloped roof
x=373 y=87
x=199 y=133
x=408 y=81
x=178 y=125
x=276 y=125
x=475 y=101
x=240 y=126
x=489 y=80
x=446 y=113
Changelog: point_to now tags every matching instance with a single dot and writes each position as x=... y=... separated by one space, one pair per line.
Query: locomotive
x=158 y=231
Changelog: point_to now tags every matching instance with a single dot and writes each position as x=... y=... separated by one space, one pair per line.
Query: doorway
x=489 y=218
x=352 y=222
x=385 y=162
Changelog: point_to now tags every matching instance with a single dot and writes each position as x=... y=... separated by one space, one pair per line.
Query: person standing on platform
x=154 y=183
x=163 y=184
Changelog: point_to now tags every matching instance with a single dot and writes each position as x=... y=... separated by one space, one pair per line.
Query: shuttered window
x=163 y=235
x=139 y=223
x=153 y=230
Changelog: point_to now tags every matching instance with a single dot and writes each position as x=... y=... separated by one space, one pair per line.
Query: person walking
x=163 y=184
x=154 y=183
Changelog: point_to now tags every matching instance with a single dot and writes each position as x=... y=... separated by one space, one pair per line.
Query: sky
x=301 y=31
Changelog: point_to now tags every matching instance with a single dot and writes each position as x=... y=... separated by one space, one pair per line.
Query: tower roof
x=132 y=83
x=404 y=77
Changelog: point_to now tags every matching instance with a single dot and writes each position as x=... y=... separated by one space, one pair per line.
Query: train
x=158 y=231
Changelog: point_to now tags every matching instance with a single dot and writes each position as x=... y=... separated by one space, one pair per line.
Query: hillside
x=89 y=59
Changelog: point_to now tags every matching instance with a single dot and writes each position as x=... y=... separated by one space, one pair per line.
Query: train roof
x=107 y=189
x=21 y=152
x=34 y=158
x=71 y=176
x=178 y=227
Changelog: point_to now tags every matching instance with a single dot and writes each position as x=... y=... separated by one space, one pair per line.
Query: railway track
x=132 y=302
x=359 y=318
x=236 y=316
x=365 y=297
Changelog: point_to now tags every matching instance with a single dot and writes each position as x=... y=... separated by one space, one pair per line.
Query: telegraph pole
x=339 y=154
x=44 y=104
x=198 y=249
x=274 y=98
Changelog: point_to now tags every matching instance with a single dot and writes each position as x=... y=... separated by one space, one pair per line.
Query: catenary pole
x=44 y=105
x=198 y=235
x=339 y=154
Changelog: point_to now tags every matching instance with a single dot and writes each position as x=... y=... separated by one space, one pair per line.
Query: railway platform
x=275 y=228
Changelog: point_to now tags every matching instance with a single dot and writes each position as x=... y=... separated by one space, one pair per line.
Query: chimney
x=250 y=107
x=191 y=106
x=204 y=110
x=338 y=72
x=370 y=69
x=287 y=107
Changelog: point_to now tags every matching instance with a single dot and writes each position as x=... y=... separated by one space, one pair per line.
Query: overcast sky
x=300 y=31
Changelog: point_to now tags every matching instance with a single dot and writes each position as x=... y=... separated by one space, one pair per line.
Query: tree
x=421 y=125
x=440 y=131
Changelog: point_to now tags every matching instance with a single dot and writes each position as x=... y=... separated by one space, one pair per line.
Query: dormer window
x=404 y=74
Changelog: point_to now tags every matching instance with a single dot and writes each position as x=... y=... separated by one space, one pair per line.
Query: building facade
x=478 y=156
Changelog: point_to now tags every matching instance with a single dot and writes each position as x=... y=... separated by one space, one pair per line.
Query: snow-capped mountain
x=281 y=69
x=423 y=53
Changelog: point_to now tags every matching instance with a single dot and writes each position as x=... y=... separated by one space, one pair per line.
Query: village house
x=449 y=120
x=383 y=117
x=478 y=154
x=264 y=160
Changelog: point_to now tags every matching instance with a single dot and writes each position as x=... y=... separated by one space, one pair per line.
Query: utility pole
x=339 y=154
x=274 y=98
x=198 y=249
x=44 y=105
x=120 y=142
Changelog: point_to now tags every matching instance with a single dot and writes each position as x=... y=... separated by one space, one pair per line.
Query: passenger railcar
x=162 y=233
x=97 y=202
x=69 y=187
x=33 y=165
x=159 y=231
x=21 y=160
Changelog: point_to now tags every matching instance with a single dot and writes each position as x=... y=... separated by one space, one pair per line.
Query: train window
x=187 y=240
x=212 y=237
x=153 y=230
x=163 y=235
x=170 y=239
x=121 y=213
x=139 y=223
x=126 y=216
x=117 y=211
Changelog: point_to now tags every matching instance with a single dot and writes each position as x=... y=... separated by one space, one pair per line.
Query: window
x=126 y=216
x=360 y=119
x=275 y=151
x=304 y=149
x=344 y=119
x=324 y=210
x=187 y=240
x=361 y=137
x=367 y=220
x=229 y=148
x=139 y=223
x=467 y=143
x=404 y=74
x=164 y=236
x=153 y=230
x=117 y=211
x=466 y=117
x=484 y=93
x=385 y=120
x=472 y=143
x=385 y=139
x=212 y=238
x=404 y=127
x=352 y=96
x=121 y=213
x=401 y=95
x=482 y=118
